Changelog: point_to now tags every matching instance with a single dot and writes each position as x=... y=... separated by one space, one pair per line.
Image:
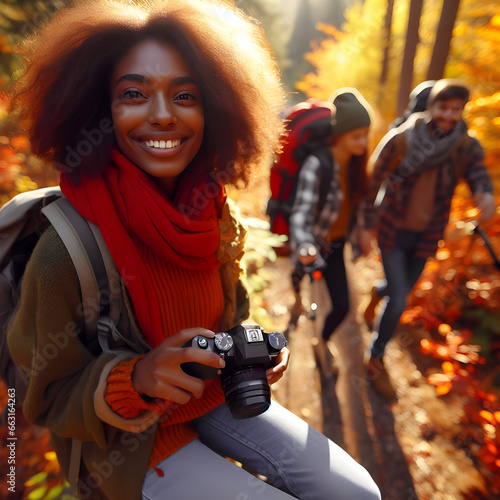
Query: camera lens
x=247 y=392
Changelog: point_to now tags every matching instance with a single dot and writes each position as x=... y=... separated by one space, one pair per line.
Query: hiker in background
x=417 y=104
x=319 y=234
x=416 y=169
x=145 y=110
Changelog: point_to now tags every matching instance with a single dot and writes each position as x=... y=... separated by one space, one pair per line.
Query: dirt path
x=408 y=445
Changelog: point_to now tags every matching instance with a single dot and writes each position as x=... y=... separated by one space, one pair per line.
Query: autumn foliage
x=455 y=303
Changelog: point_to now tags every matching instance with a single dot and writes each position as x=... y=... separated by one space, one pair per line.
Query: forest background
x=383 y=48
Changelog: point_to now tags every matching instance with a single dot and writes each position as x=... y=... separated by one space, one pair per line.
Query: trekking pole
x=315 y=273
x=473 y=227
x=315 y=277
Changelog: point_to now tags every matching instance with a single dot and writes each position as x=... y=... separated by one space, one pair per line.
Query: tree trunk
x=387 y=41
x=406 y=79
x=443 y=39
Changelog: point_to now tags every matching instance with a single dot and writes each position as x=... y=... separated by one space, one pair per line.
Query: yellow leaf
x=50 y=456
x=38 y=478
x=495 y=21
x=37 y=494
x=54 y=493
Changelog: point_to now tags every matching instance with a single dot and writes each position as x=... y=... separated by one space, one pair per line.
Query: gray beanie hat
x=448 y=88
x=352 y=111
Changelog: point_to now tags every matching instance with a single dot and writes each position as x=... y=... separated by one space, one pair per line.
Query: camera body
x=248 y=351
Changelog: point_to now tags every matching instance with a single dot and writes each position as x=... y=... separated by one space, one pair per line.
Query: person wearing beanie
x=416 y=168
x=418 y=103
x=318 y=233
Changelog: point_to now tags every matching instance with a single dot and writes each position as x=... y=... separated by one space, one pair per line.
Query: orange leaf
x=492 y=448
x=444 y=329
x=448 y=368
x=487 y=416
x=441 y=390
x=485 y=456
x=19 y=142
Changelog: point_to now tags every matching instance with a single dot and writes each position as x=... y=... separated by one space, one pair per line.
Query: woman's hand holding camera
x=159 y=374
x=281 y=364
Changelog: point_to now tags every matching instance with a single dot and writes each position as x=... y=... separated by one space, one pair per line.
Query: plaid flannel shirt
x=385 y=218
x=309 y=223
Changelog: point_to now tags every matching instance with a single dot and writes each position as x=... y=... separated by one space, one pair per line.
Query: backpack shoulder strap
x=100 y=282
x=325 y=158
x=93 y=265
x=79 y=240
x=459 y=155
x=400 y=147
x=399 y=152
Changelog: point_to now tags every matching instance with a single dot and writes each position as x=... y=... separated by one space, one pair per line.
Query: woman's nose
x=162 y=112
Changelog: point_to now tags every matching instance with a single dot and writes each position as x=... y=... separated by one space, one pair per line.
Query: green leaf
x=37 y=494
x=54 y=492
x=37 y=478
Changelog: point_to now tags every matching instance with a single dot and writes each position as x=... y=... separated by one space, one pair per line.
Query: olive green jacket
x=68 y=384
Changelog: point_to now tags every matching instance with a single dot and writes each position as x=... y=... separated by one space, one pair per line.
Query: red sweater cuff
x=121 y=395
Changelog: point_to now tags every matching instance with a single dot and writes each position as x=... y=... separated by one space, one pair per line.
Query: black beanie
x=352 y=111
x=448 y=88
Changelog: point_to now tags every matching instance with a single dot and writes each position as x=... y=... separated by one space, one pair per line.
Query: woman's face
x=157 y=111
x=355 y=141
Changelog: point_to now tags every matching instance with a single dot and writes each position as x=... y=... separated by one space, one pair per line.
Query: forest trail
x=408 y=445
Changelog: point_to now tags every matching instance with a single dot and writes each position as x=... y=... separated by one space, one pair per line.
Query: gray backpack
x=22 y=221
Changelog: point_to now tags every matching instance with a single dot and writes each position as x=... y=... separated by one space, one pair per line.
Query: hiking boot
x=325 y=354
x=369 y=314
x=379 y=378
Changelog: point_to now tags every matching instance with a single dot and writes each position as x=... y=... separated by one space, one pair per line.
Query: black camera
x=248 y=351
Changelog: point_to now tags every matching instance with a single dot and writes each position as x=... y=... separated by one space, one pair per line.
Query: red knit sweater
x=190 y=298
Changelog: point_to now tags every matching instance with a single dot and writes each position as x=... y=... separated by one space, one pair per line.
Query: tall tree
x=387 y=45
x=412 y=39
x=443 y=39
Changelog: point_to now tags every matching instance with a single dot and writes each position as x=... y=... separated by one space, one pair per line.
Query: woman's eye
x=132 y=94
x=185 y=96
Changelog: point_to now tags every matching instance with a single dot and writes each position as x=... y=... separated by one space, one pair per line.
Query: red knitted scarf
x=131 y=211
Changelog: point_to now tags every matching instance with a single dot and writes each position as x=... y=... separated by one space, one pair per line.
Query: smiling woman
x=148 y=112
x=65 y=94
x=158 y=114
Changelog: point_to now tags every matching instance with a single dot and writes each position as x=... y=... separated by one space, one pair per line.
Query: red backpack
x=308 y=126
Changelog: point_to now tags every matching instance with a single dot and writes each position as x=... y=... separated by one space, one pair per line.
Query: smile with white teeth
x=162 y=144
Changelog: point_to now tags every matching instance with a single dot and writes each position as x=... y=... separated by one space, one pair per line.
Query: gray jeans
x=300 y=461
